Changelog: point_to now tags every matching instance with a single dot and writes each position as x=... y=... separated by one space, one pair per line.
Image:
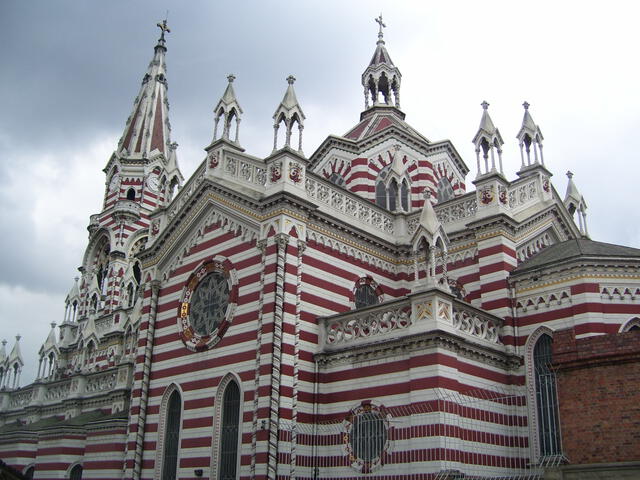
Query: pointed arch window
x=131 y=194
x=393 y=195
x=404 y=195
x=546 y=398
x=171 y=437
x=76 y=473
x=381 y=194
x=229 y=432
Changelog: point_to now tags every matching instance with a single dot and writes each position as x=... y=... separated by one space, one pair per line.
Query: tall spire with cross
x=148 y=131
x=381 y=79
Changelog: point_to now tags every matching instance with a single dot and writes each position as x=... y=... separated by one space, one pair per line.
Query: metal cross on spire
x=163 y=28
x=381 y=24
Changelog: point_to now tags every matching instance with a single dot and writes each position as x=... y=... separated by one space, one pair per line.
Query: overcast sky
x=70 y=71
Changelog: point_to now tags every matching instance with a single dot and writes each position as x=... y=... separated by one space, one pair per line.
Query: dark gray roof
x=54 y=422
x=575 y=249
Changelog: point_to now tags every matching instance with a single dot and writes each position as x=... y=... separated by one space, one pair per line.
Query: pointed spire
x=381 y=78
x=289 y=111
x=575 y=202
x=530 y=135
x=148 y=128
x=228 y=109
x=488 y=140
x=14 y=366
x=51 y=341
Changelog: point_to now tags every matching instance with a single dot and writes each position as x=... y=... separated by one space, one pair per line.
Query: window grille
x=229 y=433
x=365 y=296
x=546 y=398
x=76 y=473
x=368 y=436
x=171 y=437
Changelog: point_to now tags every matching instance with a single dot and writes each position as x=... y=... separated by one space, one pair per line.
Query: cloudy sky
x=70 y=71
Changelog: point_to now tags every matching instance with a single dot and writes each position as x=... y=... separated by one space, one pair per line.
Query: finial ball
x=291 y=79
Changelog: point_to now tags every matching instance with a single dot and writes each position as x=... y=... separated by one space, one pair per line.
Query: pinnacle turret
x=488 y=141
x=228 y=109
x=530 y=136
x=381 y=78
x=288 y=112
x=575 y=202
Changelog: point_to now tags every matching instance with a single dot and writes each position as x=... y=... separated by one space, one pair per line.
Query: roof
x=575 y=249
x=56 y=421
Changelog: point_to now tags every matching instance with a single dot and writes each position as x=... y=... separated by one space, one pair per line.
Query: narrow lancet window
x=546 y=398
x=230 y=427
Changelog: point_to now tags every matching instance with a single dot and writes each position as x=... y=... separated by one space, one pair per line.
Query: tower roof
x=50 y=343
x=529 y=127
x=147 y=129
x=229 y=98
x=15 y=355
x=289 y=102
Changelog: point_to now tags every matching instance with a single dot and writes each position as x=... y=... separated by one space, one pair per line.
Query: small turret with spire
x=530 y=139
x=488 y=141
x=381 y=78
x=228 y=109
x=288 y=112
x=575 y=202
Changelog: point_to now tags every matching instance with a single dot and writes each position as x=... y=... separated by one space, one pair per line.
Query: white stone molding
x=629 y=324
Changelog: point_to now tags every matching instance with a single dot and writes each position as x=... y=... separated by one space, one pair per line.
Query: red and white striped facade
x=449 y=369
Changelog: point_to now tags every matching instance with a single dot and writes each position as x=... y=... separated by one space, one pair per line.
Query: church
x=378 y=309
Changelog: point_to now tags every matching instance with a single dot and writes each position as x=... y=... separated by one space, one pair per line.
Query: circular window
x=366 y=437
x=207 y=305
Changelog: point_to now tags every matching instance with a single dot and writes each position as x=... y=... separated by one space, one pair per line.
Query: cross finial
x=381 y=24
x=485 y=105
x=291 y=79
x=231 y=77
x=526 y=105
x=163 y=28
x=569 y=174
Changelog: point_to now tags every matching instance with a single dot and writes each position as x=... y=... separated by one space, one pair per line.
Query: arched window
x=393 y=195
x=404 y=196
x=229 y=433
x=76 y=473
x=445 y=190
x=131 y=194
x=365 y=296
x=171 y=437
x=28 y=473
x=381 y=194
x=130 y=295
x=546 y=398
x=336 y=178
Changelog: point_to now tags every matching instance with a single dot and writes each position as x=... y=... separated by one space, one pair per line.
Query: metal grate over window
x=229 y=434
x=368 y=436
x=171 y=437
x=76 y=473
x=546 y=398
x=365 y=296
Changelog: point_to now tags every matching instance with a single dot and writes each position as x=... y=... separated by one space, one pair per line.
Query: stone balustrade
x=422 y=312
x=81 y=385
x=356 y=208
